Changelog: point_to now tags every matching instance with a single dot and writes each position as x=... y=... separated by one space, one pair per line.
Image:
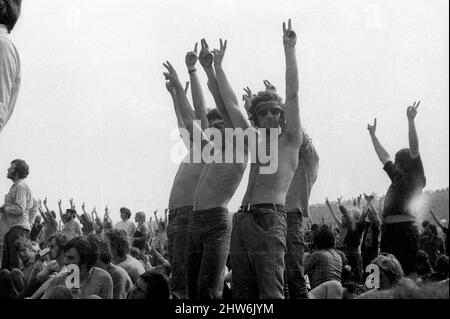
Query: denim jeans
x=10 y=258
x=177 y=231
x=295 y=243
x=208 y=249
x=258 y=247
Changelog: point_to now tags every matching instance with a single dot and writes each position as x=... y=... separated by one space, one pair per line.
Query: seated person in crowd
x=29 y=265
x=442 y=269
x=122 y=282
x=324 y=264
x=119 y=247
x=391 y=273
x=431 y=243
x=151 y=285
x=93 y=280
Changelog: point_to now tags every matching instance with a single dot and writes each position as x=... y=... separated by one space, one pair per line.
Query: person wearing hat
x=10 y=69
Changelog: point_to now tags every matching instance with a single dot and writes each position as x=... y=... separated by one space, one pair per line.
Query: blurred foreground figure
x=10 y=72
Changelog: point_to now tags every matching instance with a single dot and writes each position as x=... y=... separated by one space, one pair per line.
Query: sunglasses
x=265 y=111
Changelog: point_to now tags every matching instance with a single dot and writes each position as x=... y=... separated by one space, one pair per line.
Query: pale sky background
x=94 y=119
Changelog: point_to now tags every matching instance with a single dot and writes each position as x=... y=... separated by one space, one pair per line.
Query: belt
x=252 y=207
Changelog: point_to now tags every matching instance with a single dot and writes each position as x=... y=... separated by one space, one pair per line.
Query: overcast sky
x=94 y=120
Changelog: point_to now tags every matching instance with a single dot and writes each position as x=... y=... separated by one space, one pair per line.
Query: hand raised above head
x=172 y=76
x=269 y=86
x=191 y=58
x=372 y=128
x=220 y=54
x=370 y=197
x=206 y=57
x=411 y=111
x=289 y=35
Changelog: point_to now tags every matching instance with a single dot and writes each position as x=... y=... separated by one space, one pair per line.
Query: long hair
x=265 y=96
x=9 y=13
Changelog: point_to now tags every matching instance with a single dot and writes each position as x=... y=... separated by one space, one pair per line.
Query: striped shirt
x=10 y=76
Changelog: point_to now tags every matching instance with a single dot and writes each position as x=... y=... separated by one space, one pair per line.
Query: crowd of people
x=201 y=250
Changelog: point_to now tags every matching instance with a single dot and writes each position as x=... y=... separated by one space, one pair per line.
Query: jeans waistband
x=293 y=211
x=210 y=211
x=181 y=210
x=250 y=208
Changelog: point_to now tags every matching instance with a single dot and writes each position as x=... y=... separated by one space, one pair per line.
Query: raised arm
x=230 y=99
x=247 y=99
x=293 y=124
x=72 y=204
x=338 y=222
x=41 y=211
x=441 y=226
x=411 y=113
x=45 y=205
x=60 y=209
x=383 y=155
x=183 y=103
x=346 y=214
x=206 y=59
x=197 y=93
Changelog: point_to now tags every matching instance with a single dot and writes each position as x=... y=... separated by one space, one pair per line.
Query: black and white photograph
x=221 y=155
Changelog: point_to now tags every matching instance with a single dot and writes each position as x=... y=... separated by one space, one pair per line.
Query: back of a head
x=425 y=223
x=403 y=160
x=9 y=12
x=391 y=266
x=101 y=247
x=119 y=242
x=157 y=285
x=213 y=114
x=423 y=263
x=433 y=229
x=355 y=213
x=442 y=265
x=324 y=238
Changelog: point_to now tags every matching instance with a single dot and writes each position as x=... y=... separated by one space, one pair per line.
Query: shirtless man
x=210 y=225
x=297 y=207
x=181 y=199
x=258 y=239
